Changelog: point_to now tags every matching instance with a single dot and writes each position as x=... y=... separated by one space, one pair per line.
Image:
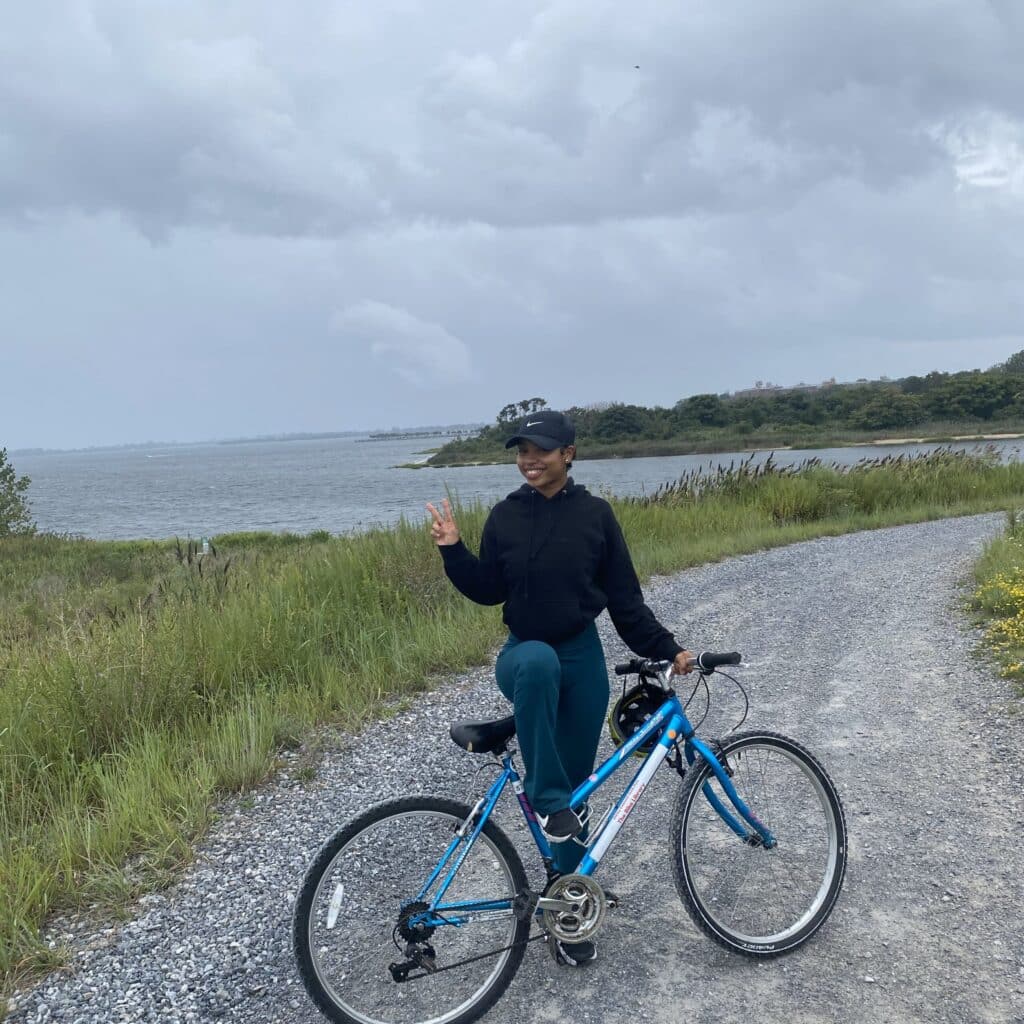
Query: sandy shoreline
x=939 y=440
x=879 y=443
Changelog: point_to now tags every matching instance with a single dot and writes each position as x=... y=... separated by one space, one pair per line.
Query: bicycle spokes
x=383 y=957
x=746 y=894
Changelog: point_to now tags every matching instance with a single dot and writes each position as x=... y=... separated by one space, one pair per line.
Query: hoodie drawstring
x=529 y=548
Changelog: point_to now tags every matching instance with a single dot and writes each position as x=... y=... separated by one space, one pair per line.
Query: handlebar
x=709 y=661
x=706 y=662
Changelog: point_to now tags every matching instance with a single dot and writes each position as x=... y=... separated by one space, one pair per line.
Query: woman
x=555 y=556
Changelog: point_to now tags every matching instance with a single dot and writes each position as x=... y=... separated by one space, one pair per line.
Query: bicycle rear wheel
x=346 y=922
x=752 y=900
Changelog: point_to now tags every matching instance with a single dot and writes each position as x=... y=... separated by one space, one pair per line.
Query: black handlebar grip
x=710 y=660
x=632 y=667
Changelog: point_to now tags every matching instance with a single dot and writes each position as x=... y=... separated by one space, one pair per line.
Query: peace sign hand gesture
x=443 y=528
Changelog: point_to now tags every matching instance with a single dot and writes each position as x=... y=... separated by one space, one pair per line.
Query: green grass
x=142 y=680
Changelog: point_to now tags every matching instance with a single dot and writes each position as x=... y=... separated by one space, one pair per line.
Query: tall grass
x=706 y=515
x=118 y=728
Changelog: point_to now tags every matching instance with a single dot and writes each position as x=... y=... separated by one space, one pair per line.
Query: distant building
x=762 y=388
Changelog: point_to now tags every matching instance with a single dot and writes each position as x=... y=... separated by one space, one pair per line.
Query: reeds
x=860 y=485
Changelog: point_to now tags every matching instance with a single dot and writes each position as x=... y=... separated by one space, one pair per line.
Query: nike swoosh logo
x=535 y=423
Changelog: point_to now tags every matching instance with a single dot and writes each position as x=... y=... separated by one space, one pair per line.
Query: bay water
x=339 y=484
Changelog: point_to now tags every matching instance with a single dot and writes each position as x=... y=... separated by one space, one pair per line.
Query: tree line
x=968 y=397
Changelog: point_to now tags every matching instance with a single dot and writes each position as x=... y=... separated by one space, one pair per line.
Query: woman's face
x=545 y=471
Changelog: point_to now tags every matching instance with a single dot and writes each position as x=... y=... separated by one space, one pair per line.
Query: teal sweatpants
x=559 y=695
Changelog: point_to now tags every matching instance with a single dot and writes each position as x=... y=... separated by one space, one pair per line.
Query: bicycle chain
x=403 y=969
x=524 y=904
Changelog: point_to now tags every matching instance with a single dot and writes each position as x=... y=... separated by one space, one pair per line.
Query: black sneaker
x=561 y=826
x=572 y=954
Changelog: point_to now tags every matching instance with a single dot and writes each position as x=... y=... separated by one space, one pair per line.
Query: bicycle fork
x=760 y=835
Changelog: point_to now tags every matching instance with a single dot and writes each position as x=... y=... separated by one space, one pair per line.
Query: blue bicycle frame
x=670 y=724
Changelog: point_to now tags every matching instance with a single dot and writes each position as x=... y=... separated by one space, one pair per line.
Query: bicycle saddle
x=483 y=737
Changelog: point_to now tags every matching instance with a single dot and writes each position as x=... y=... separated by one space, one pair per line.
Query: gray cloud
x=278 y=125
x=421 y=353
x=243 y=212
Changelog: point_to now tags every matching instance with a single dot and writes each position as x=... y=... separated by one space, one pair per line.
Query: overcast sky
x=220 y=219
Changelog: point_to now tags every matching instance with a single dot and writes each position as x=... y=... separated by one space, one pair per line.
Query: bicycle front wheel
x=348 y=922
x=757 y=901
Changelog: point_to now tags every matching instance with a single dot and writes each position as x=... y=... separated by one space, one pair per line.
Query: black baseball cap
x=547 y=429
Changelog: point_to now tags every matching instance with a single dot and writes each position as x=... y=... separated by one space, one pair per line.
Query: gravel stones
x=857 y=646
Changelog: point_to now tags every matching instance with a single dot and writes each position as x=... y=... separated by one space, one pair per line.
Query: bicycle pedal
x=564 y=954
x=556 y=954
x=611 y=899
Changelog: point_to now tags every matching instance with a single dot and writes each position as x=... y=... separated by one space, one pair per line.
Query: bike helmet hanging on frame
x=631 y=711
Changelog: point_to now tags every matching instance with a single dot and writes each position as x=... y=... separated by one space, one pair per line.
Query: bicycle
x=441 y=883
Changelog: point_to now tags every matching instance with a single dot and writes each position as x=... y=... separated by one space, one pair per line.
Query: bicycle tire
x=347 y=977
x=754 y=901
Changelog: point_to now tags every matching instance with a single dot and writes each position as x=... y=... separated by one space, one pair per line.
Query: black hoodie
x=557 y=563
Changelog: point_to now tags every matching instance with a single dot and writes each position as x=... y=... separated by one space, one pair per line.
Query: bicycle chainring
x=584 y=920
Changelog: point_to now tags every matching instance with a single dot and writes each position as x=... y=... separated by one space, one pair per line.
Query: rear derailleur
x=418 y=951
x=420 y=955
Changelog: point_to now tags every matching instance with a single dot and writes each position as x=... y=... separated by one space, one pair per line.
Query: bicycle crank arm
x=559 y=906
x=527 y=903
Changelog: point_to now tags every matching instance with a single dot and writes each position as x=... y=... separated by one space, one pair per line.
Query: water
x=336 y=484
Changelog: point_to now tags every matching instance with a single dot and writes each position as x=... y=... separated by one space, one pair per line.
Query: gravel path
x=855 y=645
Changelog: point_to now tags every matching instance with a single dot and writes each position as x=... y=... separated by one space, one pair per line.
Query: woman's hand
x=683 y=663
x=443 y=529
